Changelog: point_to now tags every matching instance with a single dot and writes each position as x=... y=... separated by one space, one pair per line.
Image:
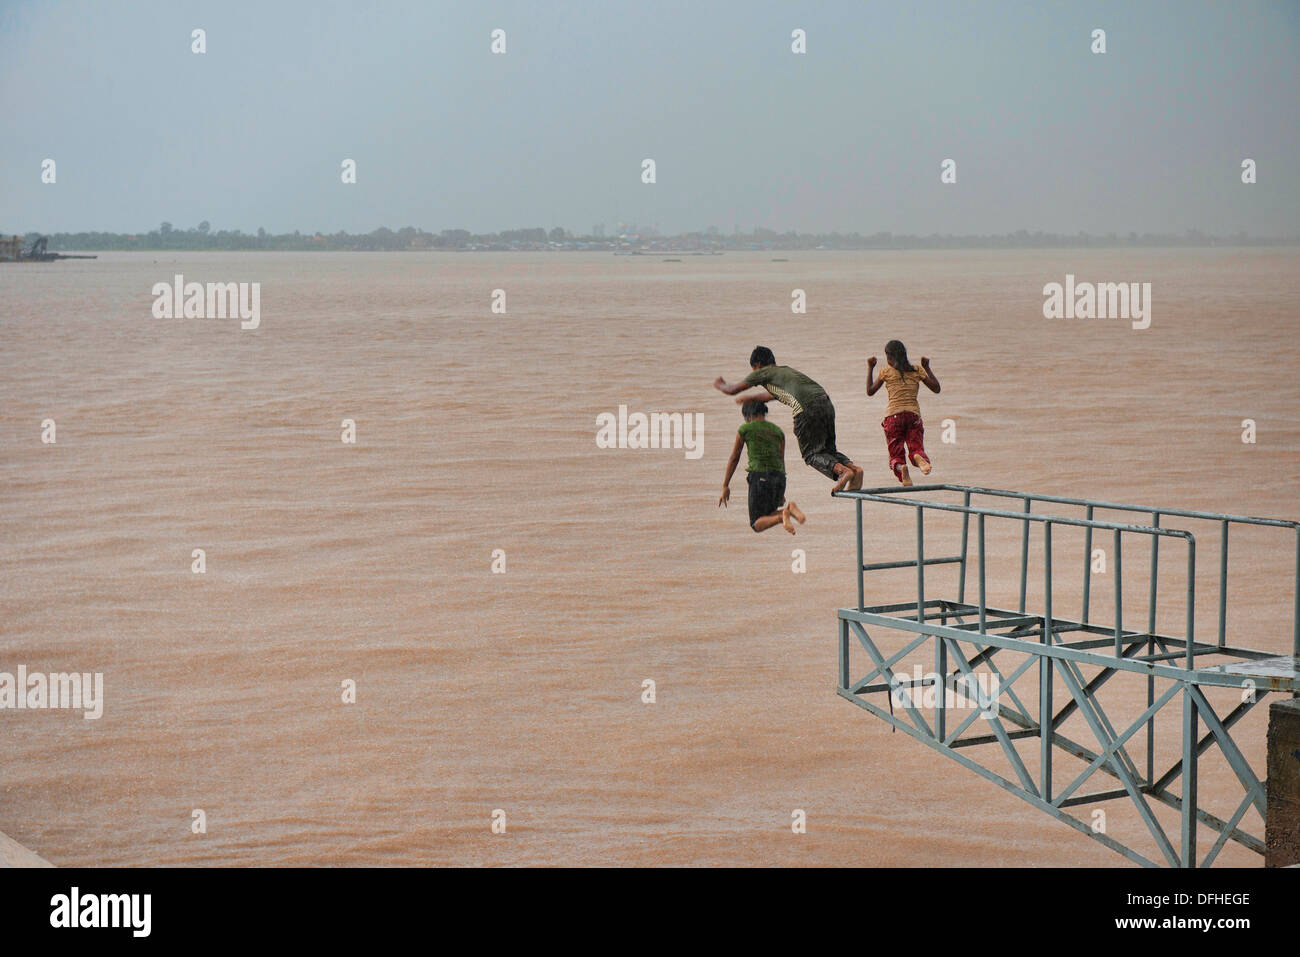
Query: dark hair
x=762 y=356
x=751 y=409
x=898 y=352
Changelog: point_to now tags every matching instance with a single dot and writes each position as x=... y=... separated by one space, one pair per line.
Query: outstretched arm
x=931 y=380
x=731 y=469
x=729 y=389
x=873 y=384
x=762 y=395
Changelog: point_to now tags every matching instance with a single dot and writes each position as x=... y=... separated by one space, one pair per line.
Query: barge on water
x=11 y=250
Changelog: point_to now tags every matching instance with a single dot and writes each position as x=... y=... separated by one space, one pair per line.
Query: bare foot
x=904 y=476
x=922 y=463
x=785 y=520
x=858 y=475
x=842 y=482
x=797 y=512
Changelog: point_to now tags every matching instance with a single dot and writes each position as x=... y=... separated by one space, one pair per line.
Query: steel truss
x=963 y=636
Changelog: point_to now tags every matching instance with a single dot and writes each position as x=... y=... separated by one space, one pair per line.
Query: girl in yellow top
x=902 y=423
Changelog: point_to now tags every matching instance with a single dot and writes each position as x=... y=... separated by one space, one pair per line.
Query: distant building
x=10 y=249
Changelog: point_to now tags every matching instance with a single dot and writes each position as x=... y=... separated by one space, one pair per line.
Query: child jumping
x=814 y=416
x=764 y=444
x=902 y=422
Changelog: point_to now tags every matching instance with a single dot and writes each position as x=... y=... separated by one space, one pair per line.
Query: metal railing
x=901 y=495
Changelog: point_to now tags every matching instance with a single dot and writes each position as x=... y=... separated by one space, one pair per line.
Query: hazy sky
x=1046 y=134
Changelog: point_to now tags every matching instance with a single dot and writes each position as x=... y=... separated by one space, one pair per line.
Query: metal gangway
x=1055 y=650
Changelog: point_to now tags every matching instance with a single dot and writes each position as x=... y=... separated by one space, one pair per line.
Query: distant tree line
x=202 y=237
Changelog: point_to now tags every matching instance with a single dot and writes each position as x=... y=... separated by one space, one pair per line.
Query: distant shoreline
x=651 y=251
x=408 y=239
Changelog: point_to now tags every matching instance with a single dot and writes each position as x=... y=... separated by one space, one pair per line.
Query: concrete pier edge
x=13 y=854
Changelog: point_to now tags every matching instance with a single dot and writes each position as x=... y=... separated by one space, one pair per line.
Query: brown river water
x=372 y=562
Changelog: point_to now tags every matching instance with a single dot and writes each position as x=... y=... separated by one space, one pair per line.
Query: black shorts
x=814 y=428
x=766 y=494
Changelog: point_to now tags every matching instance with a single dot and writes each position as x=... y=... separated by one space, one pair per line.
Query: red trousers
x=904 y=429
